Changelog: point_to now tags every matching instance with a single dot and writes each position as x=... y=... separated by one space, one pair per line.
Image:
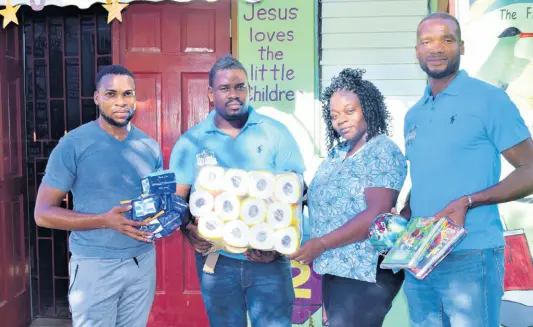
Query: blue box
x=142 y=208
x=174 y=216
x=159 y=183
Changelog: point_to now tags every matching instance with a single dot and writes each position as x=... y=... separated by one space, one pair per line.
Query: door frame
x=7 y=186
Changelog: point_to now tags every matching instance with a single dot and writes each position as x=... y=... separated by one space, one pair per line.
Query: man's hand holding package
x=114 y=219
x=200 y=244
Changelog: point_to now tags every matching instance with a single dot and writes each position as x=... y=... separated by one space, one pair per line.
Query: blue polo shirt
x=453 y=144
x=262 y=144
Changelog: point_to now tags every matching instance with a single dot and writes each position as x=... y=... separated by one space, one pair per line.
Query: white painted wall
x=378 y=36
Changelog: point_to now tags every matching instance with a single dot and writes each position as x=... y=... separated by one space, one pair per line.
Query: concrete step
x=50 y=322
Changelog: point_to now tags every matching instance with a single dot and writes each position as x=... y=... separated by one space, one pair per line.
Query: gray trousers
x=111 y=292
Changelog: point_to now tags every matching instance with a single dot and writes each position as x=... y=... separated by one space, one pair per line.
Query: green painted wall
x=277 y=45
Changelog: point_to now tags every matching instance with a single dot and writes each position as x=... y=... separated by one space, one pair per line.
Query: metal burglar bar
x=64 y=48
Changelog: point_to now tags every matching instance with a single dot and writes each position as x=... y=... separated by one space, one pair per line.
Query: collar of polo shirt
x=453 y=88
x=253 y=119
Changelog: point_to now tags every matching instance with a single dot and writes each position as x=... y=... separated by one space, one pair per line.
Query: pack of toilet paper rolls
x=239 y=210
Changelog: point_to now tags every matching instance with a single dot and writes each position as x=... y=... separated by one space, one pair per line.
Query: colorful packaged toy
x=439 y=246
x=385 y=230
x=424 y=244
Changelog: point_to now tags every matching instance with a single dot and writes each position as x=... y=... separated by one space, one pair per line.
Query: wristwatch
x=469 y=201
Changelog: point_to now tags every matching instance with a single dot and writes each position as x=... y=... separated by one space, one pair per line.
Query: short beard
x=241 y=116
x=451 y=68
x=113 y=122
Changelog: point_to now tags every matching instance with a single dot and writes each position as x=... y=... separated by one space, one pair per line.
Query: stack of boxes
x=158 y=205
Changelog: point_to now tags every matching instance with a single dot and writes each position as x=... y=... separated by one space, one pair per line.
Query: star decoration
x=9 y=14
x=114 y=10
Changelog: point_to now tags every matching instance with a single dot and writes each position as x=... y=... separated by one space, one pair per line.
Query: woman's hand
x=311 y=250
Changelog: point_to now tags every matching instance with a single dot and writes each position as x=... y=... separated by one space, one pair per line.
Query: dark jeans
x=350 y=302
x=264 y=290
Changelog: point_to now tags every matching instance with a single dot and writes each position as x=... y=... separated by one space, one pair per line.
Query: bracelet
x=469 y=201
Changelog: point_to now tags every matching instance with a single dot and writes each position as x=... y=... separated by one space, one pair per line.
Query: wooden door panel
x=14 y=258
x=148 y=113
x=190 y=279
x=14 y=226
x=12 y=127
x=4 y=263
x=145 y=35
x=197 y=29
x=194 y=101
x=171 y=47
x=172 y=114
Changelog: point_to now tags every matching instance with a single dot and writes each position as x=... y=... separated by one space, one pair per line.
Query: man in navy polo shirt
x=234 y=135
x=454 y=137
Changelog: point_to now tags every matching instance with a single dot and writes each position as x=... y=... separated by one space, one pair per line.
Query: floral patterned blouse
x=336 y=195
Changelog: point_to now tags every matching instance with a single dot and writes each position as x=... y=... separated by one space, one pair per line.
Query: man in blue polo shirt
x=454 y=137
x=234 y=135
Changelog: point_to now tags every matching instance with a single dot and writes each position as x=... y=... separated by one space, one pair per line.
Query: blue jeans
x=465 y=289
x=238 y=287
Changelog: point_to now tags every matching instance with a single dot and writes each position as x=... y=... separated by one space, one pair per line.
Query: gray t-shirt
x=101 y=171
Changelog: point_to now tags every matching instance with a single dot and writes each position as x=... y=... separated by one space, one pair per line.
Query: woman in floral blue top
x=361 y=178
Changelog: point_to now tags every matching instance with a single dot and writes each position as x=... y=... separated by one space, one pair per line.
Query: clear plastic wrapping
x=164 y=211
x=239 y=210
x=424 y=244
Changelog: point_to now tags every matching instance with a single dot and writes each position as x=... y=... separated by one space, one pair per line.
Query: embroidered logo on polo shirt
x=206 y=158
x=260 y=148
x=411 y=135
x=452 y=119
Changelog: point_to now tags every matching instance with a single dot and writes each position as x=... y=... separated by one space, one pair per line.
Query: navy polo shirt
x=262 y=144
x=453 y=144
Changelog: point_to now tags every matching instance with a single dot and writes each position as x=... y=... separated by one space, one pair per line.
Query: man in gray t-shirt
x=112 y=268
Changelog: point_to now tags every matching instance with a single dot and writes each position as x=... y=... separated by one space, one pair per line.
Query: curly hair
x=375 y=110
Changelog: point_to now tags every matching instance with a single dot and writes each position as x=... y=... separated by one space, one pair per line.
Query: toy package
x=239 y=210
x=158 y=205
x=439 y=246
x=385 y=230
x=423 y=245
x=409 y=245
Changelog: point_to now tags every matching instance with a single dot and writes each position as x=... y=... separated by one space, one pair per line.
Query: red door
x=14 y=268
x=170 y=47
